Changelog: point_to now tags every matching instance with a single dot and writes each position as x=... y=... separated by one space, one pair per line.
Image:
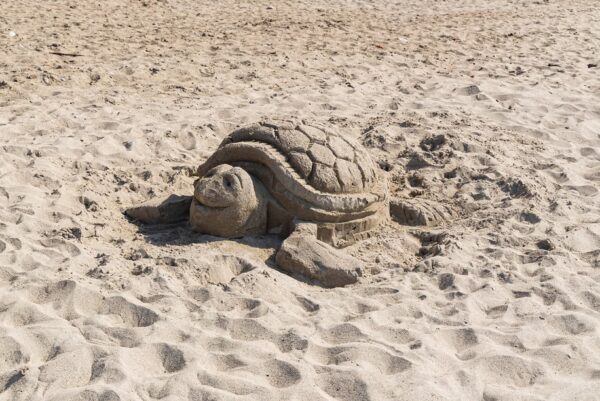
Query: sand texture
x=488 y=109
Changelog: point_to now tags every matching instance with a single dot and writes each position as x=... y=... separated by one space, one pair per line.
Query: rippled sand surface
x=491 y=108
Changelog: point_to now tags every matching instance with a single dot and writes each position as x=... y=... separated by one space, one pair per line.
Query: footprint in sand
x=343 y=385
x=279 y=374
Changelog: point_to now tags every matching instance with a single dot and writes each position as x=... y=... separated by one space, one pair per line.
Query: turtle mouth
x=199 y=204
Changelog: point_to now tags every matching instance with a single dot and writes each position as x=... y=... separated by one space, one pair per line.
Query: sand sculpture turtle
x=318 y=189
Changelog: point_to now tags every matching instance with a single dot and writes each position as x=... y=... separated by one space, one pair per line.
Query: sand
x=491 y=108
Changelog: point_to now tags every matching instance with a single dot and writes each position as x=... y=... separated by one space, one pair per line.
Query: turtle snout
x=207 y=192
x=210 y=191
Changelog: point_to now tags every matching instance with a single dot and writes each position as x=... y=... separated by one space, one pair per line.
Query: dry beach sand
x=489 y=107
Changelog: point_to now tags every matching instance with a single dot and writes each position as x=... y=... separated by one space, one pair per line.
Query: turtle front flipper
x=420 y=212
x=165 y=210
x=304 y=254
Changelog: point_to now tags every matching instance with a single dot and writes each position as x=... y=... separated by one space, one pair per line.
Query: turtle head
x=228 y=202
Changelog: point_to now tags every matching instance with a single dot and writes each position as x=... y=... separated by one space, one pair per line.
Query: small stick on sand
x=67 y=54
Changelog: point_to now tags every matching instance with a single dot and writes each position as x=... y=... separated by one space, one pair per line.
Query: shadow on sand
x=180 y=234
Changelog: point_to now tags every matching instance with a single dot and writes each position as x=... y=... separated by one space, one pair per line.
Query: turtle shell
x=327 y=161
x=313 y=173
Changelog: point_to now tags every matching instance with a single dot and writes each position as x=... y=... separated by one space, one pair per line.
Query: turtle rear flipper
x=420 y=212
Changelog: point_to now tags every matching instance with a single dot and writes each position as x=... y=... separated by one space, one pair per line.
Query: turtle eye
x=228 y=182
